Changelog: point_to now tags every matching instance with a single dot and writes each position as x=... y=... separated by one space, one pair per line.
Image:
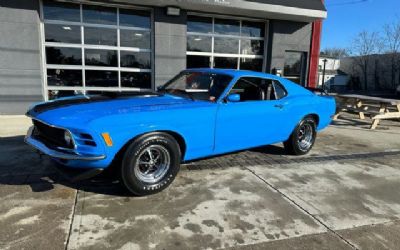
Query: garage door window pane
x=55 y=94
x=61 y=11
x=99 y=78
x=227 y=27
x=226 y=45
x=199 y=43
x=100 y=36
x=135 y=38
x=197 y=61
x=253 y=29
x=99 y=15
x=251 y=64
x=88 y=45
x=62 y=33
x=134 y=18
x=251 y=47
x=199 y=24
x=59 y=55
x=64 y=77
x=225 y=62
x=101 y=57
x=136 y=80
x=135 y=59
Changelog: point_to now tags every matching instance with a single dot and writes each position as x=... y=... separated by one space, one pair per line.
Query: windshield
x=198 y=85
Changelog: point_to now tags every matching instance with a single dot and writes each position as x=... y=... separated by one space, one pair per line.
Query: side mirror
x=233 y=98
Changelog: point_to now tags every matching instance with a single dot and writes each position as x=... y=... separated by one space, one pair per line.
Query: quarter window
x=90 y=48
x=280 y=91
x=225 y=43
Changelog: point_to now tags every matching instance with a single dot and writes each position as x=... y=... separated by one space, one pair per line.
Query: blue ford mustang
x=199 y=113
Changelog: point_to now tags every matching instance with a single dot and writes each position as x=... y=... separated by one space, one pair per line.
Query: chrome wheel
x=152 y=164
x=305 y=136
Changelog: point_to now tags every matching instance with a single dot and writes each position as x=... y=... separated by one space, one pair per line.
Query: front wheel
x=302 y=138
x=150 y=164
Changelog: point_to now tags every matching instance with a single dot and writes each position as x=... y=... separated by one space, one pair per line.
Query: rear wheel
x=302 y=138
x=150 y=163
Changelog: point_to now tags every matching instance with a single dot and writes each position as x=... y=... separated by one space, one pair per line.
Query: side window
x=258 y=89
x=249 y=89
x=280 y=91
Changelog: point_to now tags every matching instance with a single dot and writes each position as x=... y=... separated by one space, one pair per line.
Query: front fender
x=196 y=127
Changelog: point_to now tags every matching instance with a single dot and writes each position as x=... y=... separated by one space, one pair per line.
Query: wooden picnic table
x=362 y=104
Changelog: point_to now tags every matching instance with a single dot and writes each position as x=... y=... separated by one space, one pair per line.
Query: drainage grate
x=249 y=158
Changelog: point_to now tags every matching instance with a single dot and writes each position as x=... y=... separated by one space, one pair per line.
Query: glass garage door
x=89 y=48
x=225 y=43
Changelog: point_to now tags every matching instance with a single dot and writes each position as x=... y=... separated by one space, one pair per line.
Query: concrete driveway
x=343 y=195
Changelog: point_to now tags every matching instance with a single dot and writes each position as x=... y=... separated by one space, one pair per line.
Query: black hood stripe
x=106 y=96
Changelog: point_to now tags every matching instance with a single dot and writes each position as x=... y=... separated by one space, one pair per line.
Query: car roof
x=234 y=72
x=291 y=87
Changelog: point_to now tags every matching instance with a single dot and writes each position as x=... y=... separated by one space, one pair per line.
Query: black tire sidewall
x=128 y=177
x=296 y=149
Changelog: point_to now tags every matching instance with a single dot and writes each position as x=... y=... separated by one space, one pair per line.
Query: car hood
x=75 y=112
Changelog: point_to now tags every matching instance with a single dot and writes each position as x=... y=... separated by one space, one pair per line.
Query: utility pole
x=323 y=74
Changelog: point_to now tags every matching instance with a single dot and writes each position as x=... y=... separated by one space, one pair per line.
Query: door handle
x=279 y=106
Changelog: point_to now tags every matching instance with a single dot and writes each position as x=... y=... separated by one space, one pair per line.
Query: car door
x=257 y=119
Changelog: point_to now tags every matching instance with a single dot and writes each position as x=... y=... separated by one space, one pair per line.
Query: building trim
x=314 y=53
x=240 y=7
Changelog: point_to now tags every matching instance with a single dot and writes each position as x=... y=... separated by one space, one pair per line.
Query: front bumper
x=58 y=154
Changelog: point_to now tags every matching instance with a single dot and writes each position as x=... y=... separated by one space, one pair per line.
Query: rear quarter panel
x=300 y=102
x=326 y=109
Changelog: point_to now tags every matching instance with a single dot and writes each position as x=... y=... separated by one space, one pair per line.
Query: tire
x=150 y=164
x=302 y=138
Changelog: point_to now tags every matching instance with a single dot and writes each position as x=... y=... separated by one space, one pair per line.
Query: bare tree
x=363 y=46
x=391 y=36
x=335 y=52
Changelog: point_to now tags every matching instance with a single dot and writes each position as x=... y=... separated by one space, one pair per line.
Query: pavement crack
x=71 y=221
x=315 y=218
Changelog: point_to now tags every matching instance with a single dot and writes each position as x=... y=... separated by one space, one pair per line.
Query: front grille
x=51 y=136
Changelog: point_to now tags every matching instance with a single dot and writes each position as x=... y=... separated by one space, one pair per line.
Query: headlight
x=68 y=138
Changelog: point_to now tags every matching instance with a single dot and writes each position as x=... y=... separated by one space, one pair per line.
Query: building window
x=295 y=66
x=90 y=48
x=225 y=43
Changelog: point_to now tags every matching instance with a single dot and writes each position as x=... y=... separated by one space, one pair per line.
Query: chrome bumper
x=57 y=154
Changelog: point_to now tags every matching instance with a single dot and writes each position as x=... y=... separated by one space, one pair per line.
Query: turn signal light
x=107 y=139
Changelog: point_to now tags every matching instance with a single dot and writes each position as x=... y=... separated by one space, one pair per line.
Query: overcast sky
x=348 y=17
